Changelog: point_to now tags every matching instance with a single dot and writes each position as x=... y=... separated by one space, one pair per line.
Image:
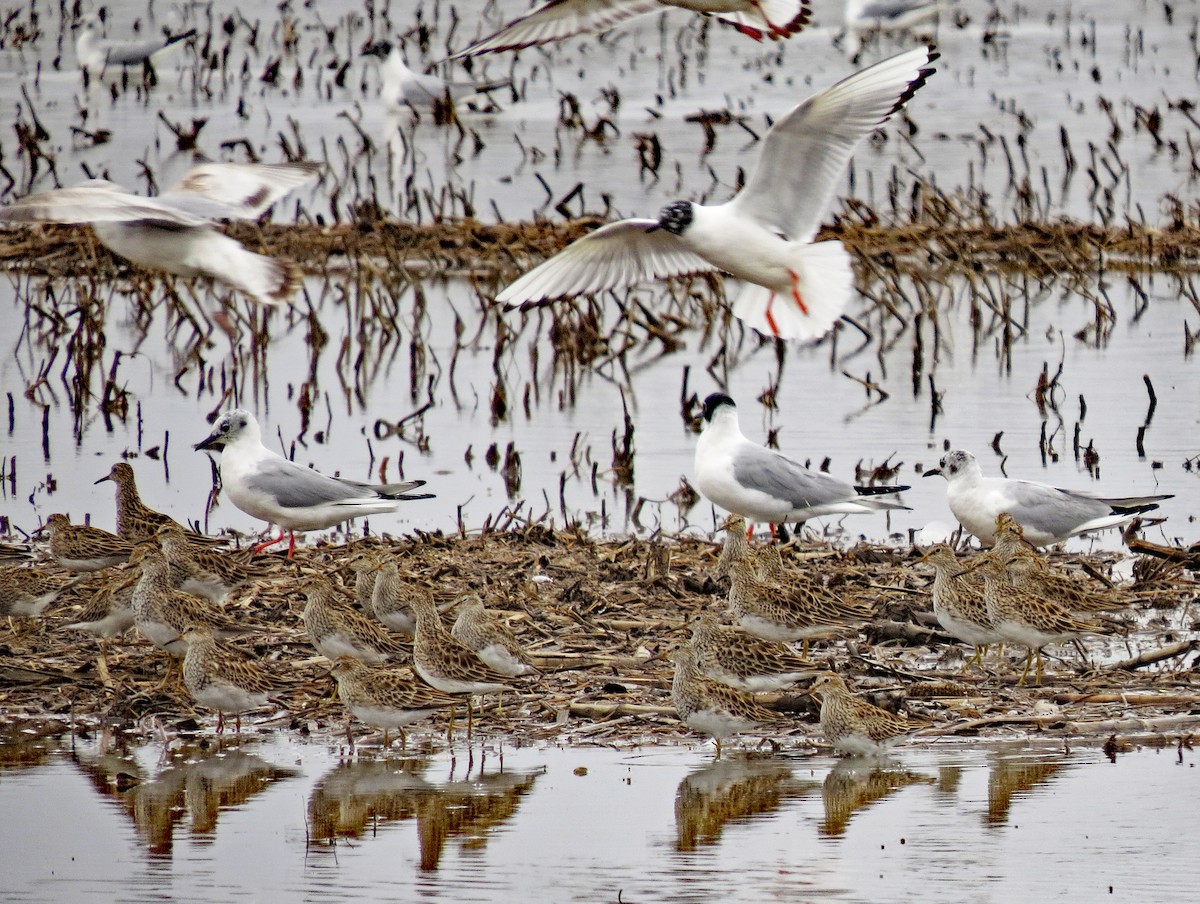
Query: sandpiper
x=713 y=708
x=445 y=662
x=221 y=678
x=26 y=592
x=743 y=661
x=854 y=726
x=162 y=613
x=204 y=572
x=796 y=609
x=337 y=629
x=490 y=638
x=958 y=602
x=385 y=698
x=1025 y=618
x=391 y=598
x=81 y=547
x=135 y=520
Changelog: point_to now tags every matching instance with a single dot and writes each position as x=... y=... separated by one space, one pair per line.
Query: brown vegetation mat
x=503 y=251
x=599 y=615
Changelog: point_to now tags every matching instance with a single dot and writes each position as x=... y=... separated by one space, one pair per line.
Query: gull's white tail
x=823 y=288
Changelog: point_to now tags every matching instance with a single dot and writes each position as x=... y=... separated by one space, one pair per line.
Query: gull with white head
x=793 y=287
x=1046 y=514
x=96 y=54
x=264 y=484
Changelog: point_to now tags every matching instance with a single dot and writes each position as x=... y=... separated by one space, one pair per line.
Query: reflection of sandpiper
x=855 y=784
x=731 y=790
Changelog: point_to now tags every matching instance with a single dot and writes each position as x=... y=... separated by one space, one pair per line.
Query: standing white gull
x=1046 y=514
x=792 y=287
x=760 y=484
x=96 y=54
x=403 y=88
x=266 y=485
x=562 y=19
x=174 y=231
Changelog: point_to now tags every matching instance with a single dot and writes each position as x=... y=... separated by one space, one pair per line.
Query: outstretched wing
x=618 y=255
x=240 y=191
x=559 y=20
x=806 y=152
x=95 y=201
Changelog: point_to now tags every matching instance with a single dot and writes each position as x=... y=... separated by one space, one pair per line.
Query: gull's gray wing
x=618 y=255
x=1050 y=509
x=806 y=152
x=779 y=476
x=236 y=190
x=294 y=486
x=96 y=201
x=561 y=19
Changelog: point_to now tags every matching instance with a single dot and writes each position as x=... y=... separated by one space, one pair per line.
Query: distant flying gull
x=96 y=54
x=404 y=88
x=266 y=485
x=561 y=19
x=891 y=15
x=1046 y=514
x=760 y=484
x=792 y=287
x=174 y=231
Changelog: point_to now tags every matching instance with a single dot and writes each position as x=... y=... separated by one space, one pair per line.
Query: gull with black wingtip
x=763 y=485
x=265 y=485
x=1046 y=514
x=793 y=287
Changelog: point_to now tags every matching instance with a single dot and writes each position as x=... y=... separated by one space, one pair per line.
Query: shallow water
x=295 y=820
x=1015 y=81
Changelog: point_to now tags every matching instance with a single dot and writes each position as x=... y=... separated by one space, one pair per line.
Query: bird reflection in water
x=361 y=796
x=196 y=780
x=1014 y=778
x=735 y=789
x=856 y=784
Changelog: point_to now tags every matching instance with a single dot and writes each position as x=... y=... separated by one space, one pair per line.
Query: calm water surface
x=288 y=820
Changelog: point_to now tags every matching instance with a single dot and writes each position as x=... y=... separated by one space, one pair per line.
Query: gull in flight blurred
x=174 y=231
x=405 y=89
x=265 y=485
x=793 y=288
x=760 y=484
x=1046 y=514
x=96 y=53
x=561 y=19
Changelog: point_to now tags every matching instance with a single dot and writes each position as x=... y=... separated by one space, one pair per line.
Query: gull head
x=953 y=464
x=675 y=218
x=715 y=405
x=230 y=427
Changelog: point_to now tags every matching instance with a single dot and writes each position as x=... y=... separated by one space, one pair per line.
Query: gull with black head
x=761 y=484
x=793 y=287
